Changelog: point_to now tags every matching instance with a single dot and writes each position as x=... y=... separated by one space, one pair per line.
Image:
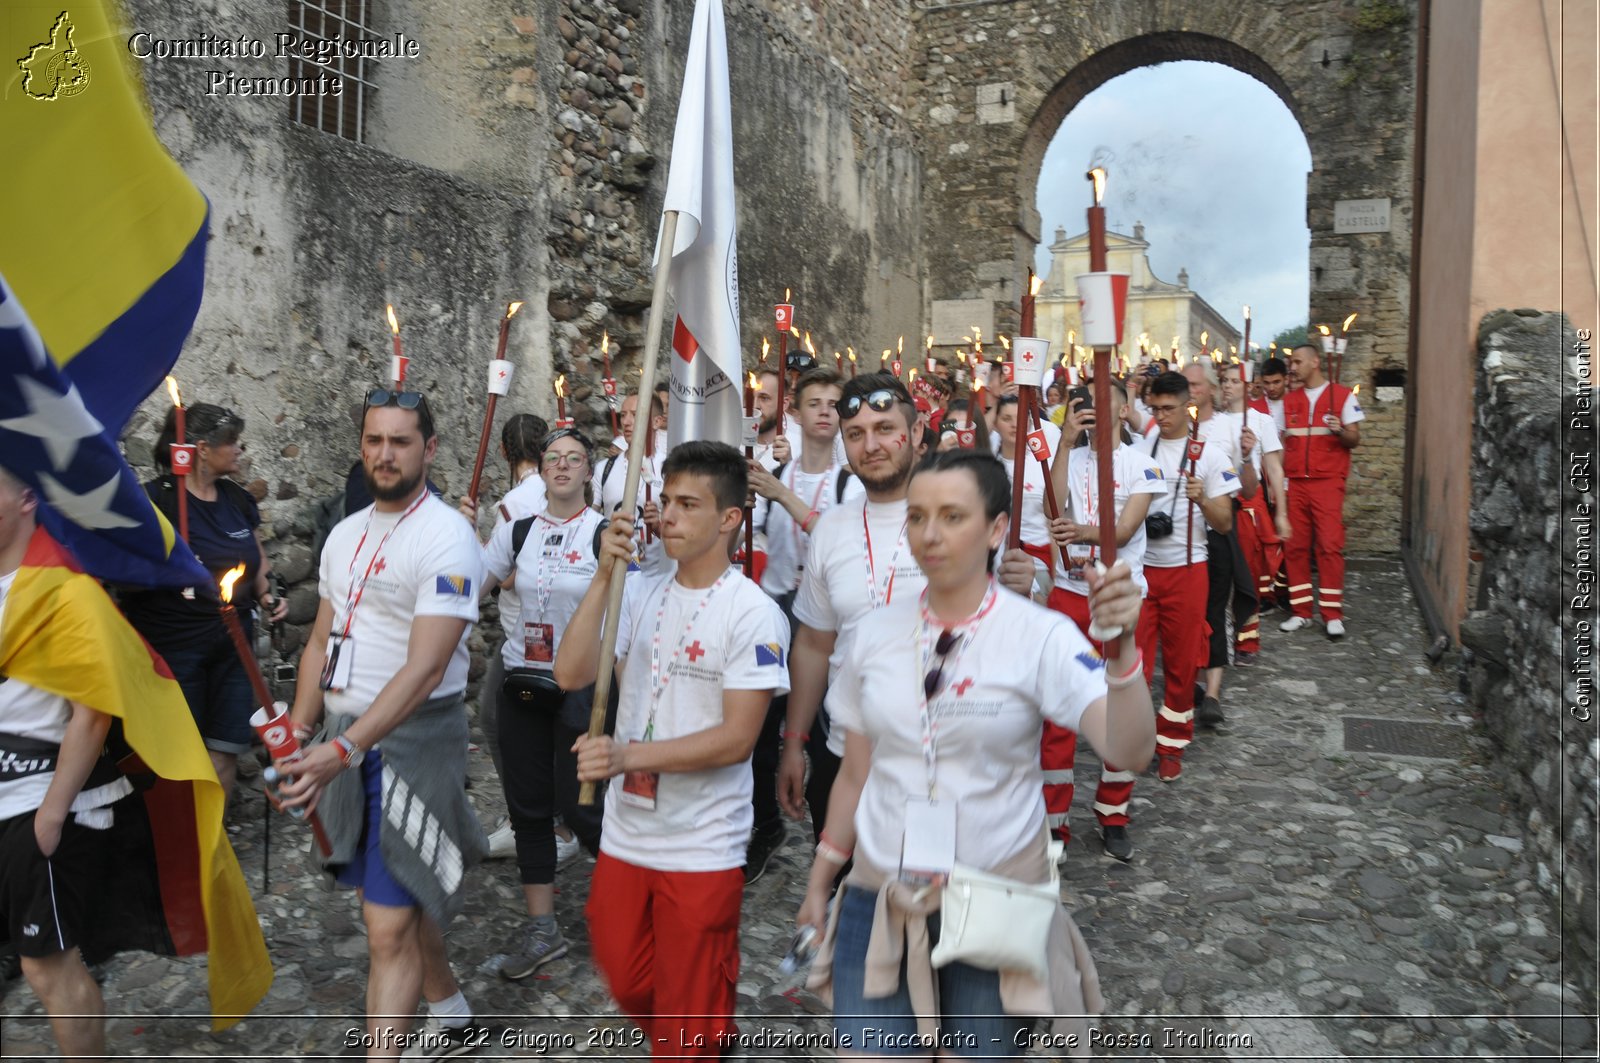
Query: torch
x=271 y=719
x=1104 y=430
x=1339 y=345
x=784 y=312
x=182 y=457
x=851 y=351
x=499 y=383
x=561 y=402
x=1327 y=349
x=1245 y=345
x=1195 y=447
x=397 y=364
x=609 y=384
x=750 y=431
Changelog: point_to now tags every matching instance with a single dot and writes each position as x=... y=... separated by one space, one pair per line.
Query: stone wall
x=1518 y=639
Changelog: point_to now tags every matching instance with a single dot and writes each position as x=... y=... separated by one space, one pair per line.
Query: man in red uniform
x=1321 y=428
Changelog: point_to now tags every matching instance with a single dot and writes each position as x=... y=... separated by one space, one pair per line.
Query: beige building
x=1157 y=307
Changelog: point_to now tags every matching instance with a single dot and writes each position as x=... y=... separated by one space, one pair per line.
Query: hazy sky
x=1214 y=165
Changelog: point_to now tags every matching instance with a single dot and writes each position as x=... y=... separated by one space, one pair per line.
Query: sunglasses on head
x=802 y=362
x=406 y=400
x=880 y=400
x=933 y=682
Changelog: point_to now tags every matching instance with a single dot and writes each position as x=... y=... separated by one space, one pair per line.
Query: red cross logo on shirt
x=379 y=566
x=694 y=651
x=572 y=557
x=962 y=687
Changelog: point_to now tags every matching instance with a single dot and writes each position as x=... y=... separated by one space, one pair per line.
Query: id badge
x=336 y=664
x=538 y=643
x=928 y=852
x=639 y=787
x=1077 y=558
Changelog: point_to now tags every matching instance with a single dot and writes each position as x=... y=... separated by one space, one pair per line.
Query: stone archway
x=997 y=77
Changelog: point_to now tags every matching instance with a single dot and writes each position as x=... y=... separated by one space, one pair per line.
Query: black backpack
x=519 y=535
x=838 y=488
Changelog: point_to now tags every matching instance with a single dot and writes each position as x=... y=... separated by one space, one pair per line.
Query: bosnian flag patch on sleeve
x=1152 y=474
x=1091 y=660
x=459 y=586
x=769 y=653
x=1229 y=474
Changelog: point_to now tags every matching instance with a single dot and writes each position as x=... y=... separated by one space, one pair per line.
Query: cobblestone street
x=1288 y=897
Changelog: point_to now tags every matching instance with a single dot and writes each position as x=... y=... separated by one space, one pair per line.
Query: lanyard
x=872 y=565
x=658 y=681
x=927 y=639
x=353 y=596
x=799 y=535
x=541 y=589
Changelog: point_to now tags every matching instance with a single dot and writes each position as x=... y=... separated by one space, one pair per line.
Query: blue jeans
x=217 y=690
x=972 y=1022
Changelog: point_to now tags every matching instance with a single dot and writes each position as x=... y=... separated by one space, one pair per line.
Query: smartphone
x=1080 y=394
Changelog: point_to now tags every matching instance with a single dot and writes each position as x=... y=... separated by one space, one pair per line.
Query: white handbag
x=998 y=924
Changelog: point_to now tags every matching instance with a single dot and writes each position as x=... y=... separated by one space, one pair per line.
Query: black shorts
x=46 y=903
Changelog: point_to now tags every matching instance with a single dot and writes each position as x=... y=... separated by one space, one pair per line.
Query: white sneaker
x=502 y=843
x=1336 y=629
x=1294 y=623
x=567 y=850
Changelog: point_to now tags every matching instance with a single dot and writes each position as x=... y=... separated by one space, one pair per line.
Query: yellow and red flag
x=62 y=634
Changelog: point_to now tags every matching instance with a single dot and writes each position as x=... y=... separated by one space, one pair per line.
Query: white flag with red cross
x=705 y=377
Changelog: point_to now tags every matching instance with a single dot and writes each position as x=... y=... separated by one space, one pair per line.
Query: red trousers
x=1173 y=619
x=1316 y=509
x=1058 y=749
x=668 y=945
x=1263 y=551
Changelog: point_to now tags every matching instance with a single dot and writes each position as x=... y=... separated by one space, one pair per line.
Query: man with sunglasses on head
x=387 y=661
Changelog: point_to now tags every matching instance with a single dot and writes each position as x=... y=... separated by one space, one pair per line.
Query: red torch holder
x=277 y=734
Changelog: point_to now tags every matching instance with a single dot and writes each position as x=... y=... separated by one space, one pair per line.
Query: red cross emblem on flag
x=695 y=651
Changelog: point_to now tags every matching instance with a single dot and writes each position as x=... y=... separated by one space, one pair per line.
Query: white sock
x=452 y=1011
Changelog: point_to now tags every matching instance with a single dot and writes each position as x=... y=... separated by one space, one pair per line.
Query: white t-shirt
x=523 y=500
x=1022 y=664
x=1228 y=430
x=1052 y=439
x=1352 y=407
x=1217 y=476
x=554 y=569
x=1275 y=407
x=427 y=563
x=844 y=580
x=796 y=437
x=608 y=485
x=28 y=712
x=786 y=544
x=1133 y=472
x=739 y=641
x=1035 y=526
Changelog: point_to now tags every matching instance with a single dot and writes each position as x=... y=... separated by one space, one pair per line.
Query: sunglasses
x=406 y=400
x=933 y=682
x=880 y=400
x=802 y=362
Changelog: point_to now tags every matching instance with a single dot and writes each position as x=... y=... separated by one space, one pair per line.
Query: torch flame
x=900 y=344
x=786 y=295
x=755 y=382
x=1356 y=390
x=1247 y=313
x=1098 y=176
x=1204 y=338
x=229 y=578
x=1234 y=348
x=850 y=352
x=1194 y=410
x=884 y=357
x=561 y=385
x=1038 y=282
x=911 y=375
x=1072 y=338
x=1005 y=341
x=930 y=343
x=961 y=356
x=1234 y=359
x=512 y=308
x=394 y=322
x=605 y=337
x=765 y=347
x=1325 y=330
x=1346 y=326
x=172 y=389
x=809 y=348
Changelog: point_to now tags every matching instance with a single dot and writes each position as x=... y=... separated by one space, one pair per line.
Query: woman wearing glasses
x=554 y=554
x=942 y=698
x=185 y=627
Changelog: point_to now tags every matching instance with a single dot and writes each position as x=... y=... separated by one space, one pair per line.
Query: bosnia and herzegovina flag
x=61 y=633
x=105 y=248
x=104 y=243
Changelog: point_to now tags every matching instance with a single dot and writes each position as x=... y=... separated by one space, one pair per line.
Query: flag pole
x=630 y=487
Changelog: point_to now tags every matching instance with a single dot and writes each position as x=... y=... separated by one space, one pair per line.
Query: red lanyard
x=353 y=596
x=658 y=684
x=872 y=565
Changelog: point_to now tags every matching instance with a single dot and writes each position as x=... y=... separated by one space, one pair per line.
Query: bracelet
x=1128 y=678
x=800 y=735
x=811 y=518
x=832 y=853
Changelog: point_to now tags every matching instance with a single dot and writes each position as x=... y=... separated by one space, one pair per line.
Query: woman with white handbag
x=948 y=936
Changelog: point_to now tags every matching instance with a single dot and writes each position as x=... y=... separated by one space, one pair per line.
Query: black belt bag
x=529 y=686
